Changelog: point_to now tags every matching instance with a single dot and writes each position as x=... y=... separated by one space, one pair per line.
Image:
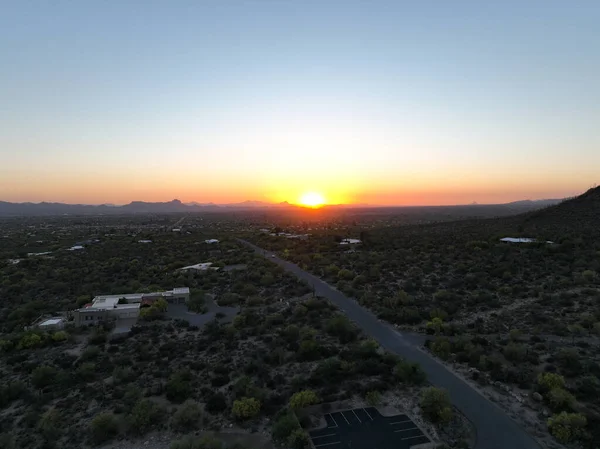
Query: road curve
x=495 y=430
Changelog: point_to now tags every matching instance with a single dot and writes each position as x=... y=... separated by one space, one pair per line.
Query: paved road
x=495 y=430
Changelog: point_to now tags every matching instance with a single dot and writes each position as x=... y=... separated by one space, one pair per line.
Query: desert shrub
x=188 y=417
x=303 y=399
x=103 y=427
x=60 y=336
x=550 y=381
x=216 y=403
x=560 y=399
x=146 y=414
x=515 y=352
x=373 y=398
x=410 y=373
x=298 y=439
x=43 y=376
x=50 y=425
x=178 y=387
x=246 y=408
x=567 y=427
x=284 y=426
x=435 y=404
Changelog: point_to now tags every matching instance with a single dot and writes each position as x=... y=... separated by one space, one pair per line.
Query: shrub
x=550 y=381
x=43 y=376
x=298 y=439
x=216 y=403
x=103 y=427
x=50 y=425
x=246 y=408
x=284 y=426
x=566 y=427
x=60 y=336
x=188 y=417
x=178 y=389
x=435 y=404
x=303 y=399
x=373 y=398
x=410 y=373
x=560 y=399
x=145 y=415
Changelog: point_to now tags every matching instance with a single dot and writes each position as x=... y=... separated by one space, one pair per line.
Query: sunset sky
x=379 y=102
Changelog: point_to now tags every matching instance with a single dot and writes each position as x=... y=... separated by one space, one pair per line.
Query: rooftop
x=52 y=322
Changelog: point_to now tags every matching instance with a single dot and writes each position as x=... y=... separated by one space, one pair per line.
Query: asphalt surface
x=366 y=428
x=495 y=430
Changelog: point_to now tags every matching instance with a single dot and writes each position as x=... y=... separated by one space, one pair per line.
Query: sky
x=378 y=102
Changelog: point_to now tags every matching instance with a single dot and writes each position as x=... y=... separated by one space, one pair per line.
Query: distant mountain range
x=141 y=207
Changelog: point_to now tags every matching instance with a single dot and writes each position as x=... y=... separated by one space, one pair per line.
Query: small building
x=211 y=241
x=52 y=323
x=199 y=267
x=350 y=241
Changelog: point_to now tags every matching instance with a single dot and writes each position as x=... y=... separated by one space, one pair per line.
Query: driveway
x=495 y=430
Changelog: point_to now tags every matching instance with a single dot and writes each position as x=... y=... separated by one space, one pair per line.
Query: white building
x=107 y=307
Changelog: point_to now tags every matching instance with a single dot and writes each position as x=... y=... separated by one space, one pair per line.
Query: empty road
x=495 y=430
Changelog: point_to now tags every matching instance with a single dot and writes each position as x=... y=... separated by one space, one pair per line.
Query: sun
x=312 y=199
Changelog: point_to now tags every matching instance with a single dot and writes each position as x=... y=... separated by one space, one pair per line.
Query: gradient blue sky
x=385 y=102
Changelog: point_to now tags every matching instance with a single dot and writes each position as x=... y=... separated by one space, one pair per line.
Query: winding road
x=495 y=430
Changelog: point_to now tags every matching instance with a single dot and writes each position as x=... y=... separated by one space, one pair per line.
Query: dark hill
x=580 y=214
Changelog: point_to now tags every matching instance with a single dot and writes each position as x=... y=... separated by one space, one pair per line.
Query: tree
x=303 y=399
x=103 y=427
x=246 y=408
x=435 y=404
x=187 y=417
x=550 y=381
x=197 y=302
x=567 y=427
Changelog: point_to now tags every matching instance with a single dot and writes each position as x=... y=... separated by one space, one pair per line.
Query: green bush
x=550 y=381
x=410 y=373
x=246 y=408
x=566 y=427
x=560 y=399
x=103 y=427
x=298 y=439
x=303 y=399
x=435 y=404
x=373 y=398
x=284 y=426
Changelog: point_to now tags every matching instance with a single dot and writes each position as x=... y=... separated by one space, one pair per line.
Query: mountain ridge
x=8 y=209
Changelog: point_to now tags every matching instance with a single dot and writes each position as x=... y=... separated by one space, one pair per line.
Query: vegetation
x=435 y=404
